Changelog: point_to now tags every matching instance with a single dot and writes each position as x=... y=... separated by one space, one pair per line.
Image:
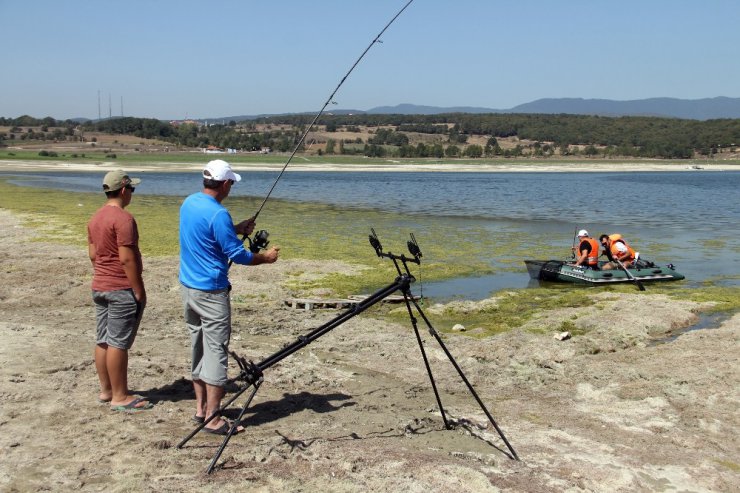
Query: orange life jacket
x=593 y=256
x=613 y=248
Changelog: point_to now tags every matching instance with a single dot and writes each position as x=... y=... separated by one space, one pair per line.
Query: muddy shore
x=609 y=410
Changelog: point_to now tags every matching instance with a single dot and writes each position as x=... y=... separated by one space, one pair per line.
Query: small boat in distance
x=562 y=271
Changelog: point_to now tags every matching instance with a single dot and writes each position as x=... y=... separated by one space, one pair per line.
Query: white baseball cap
x=583 y=232
x=220 y=170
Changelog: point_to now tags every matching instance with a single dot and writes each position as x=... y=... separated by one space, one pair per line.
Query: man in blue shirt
x=208 y=240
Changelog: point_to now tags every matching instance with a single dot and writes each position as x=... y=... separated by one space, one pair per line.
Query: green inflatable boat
x=562 y=271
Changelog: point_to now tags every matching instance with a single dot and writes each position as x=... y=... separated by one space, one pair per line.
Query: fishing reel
x=259 y=242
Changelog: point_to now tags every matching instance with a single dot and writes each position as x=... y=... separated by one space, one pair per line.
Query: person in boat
x=588 y=251
x=617 y=250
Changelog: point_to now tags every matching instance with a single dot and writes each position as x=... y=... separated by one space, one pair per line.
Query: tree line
x=243 y=137
x=633 y=136
x=651 y=137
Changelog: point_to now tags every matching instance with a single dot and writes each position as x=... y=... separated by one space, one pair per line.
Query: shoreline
x=606 y=409
x=525 y=167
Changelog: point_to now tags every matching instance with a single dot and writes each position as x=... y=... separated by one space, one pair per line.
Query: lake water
x=696 y=213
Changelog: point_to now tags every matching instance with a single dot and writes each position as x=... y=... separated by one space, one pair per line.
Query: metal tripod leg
x=406 y=296
x=210 y=418
x=232 y=429
x=409 y=299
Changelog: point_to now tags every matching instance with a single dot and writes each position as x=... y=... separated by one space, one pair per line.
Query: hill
x=693 y=109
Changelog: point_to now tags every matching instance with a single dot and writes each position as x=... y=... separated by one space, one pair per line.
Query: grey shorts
x=118 y=316
x=208 y=318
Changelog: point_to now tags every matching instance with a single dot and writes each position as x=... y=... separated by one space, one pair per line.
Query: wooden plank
x=394 y=298
x=310 y=304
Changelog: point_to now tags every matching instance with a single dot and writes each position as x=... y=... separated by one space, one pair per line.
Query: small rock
x=458 y=328
x=562 y=336
x=162 y=444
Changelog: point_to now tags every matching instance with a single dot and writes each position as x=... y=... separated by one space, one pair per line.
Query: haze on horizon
x=175 y=60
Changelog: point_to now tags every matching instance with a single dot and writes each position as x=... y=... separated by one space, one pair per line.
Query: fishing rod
x=573 y=250
x=329 y=101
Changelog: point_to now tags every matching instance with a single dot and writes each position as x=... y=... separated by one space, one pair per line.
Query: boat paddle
x=629 y=276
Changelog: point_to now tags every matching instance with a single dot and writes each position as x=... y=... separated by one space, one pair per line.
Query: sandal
x=223 y=429
x=132 y=406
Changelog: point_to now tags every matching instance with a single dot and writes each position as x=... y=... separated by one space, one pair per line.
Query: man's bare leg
x=106 y=392
x=199 y=386
x=117 y=364
x=214 y=394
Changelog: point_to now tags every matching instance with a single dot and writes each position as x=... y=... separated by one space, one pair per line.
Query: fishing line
x=329 y=101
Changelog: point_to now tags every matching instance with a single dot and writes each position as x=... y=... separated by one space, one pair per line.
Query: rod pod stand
x=251 y=374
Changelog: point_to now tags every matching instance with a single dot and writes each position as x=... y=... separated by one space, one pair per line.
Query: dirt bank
x=354 y=411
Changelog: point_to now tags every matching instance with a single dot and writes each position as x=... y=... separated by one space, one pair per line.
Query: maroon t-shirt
x=109 y=228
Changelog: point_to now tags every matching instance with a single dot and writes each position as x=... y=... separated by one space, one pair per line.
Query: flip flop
x=131 y=406
x=198 y=419
x=221 y=430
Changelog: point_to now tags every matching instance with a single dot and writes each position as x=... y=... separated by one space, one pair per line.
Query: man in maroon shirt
x=117 y=290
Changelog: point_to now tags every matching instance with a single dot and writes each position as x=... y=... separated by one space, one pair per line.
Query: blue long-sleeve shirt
x=207 y=242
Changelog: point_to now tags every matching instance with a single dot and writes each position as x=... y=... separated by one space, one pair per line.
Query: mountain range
x=692 y=109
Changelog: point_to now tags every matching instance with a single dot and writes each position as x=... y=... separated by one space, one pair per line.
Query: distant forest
x=397 y=135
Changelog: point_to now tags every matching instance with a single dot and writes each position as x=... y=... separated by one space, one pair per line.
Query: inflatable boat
x=563 y=271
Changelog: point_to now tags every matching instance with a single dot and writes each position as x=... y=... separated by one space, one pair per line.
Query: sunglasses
x=132 y=189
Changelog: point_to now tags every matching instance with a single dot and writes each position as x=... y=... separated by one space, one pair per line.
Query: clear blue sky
x=173 y=59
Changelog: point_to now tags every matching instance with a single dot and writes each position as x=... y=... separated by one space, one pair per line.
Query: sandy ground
x=354 y=410
x=306 y=164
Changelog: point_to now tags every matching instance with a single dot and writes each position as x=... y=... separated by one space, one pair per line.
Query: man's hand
x=245 y=228
x=271 y=255
x=140 y=297
x=267 y=257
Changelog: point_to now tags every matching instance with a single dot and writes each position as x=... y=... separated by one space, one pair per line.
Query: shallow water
x=706 y=321
x=688 y=218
